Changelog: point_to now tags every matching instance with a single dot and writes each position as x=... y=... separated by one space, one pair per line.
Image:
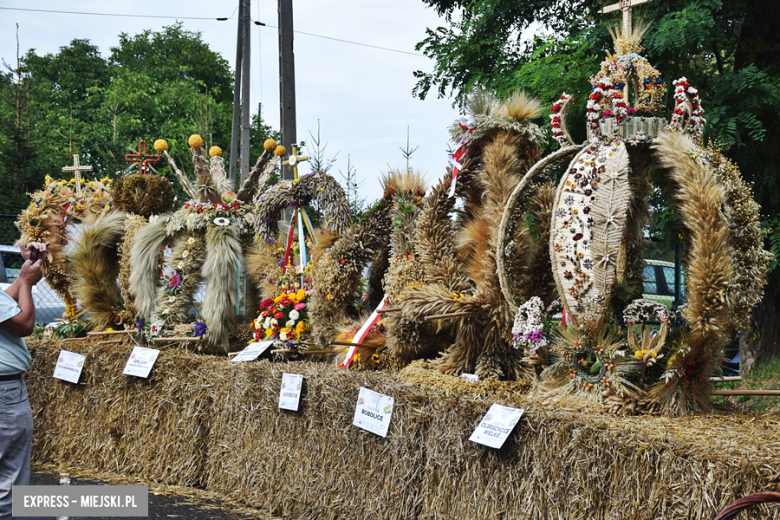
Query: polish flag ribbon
x=363 y=332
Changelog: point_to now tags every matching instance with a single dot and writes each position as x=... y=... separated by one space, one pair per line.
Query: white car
x=48 y=305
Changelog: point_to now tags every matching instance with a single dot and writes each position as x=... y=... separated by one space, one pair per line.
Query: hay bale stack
x=111 y=422
x=204 y=422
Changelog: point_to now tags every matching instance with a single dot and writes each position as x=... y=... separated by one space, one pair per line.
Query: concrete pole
x=236 y=99
x=246 y=118
x=287 y=80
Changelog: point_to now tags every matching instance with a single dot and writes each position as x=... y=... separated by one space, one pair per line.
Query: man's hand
x=31 y=272
x=27 y=252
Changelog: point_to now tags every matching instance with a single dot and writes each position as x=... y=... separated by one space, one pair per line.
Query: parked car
x=48 y=305
x=658 y=281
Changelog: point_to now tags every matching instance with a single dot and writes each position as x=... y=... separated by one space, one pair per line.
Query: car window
x=669 y=276
x=649 y=280
x=12 y=262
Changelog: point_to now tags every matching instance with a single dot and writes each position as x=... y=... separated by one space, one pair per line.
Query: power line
x=353 y=43
x=110 y=14
x=212 y=19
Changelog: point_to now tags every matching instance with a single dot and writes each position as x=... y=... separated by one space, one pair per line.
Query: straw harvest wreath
x=49 y=217
x=595 y=240
x=209 y=238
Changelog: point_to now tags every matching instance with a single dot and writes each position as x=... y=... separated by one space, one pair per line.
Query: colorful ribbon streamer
x=363 y=332
x=302 y=241
x=290 y=236
x=469 y=124
x=309 y=226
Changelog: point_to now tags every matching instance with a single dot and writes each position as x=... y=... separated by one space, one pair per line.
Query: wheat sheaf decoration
x=206 y=241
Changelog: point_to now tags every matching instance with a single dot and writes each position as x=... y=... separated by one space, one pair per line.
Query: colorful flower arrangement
x=558 y=116
x=597 y=104
x=196 y=215
x=685 y=93
x=528 y=330
x=283 y=318
x=616 y=72
x=647 y=346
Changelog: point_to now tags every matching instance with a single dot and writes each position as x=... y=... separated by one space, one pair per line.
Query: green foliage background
x=154 y=85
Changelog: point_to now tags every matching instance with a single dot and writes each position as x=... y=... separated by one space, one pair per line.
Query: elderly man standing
x=17 y=319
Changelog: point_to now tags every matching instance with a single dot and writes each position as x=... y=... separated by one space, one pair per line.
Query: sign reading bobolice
x=252 y=351
x=290 y=394
x=471 y=378
x=373 y=412
x=496 y=425
x=69 y=366
x=141 y=362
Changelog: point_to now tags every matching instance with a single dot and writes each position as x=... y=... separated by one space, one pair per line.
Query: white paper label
x=69 y=366
x=496 y=425
x=471 y=378
x=141 y=362
x=290 y=394
x=252 y=351
x=373 y=412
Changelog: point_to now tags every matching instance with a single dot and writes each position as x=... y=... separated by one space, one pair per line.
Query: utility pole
x=245 y=117
x=287 y=80
x=236 y=97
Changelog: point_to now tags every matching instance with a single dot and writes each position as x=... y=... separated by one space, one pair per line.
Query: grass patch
x=764 y=377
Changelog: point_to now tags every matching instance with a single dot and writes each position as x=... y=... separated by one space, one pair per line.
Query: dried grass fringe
x=144 y=256
x=94 y=264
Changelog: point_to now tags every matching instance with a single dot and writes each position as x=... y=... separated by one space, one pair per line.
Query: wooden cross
x=625 y=6
x=77 y=169
x=293 y=161
x=141 y=157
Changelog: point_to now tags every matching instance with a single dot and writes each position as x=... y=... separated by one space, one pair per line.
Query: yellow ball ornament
x=195 y=141
x=160 y=146
x=280 y=151
x=215 y=151
x=269 y=145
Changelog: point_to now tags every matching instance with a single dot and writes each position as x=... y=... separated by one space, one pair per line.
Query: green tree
x=22 y=167
x=154 y=85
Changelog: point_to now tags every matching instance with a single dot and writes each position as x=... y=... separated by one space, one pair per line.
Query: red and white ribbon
x=466 y=123
x=363 y=332
x=290 y=236
x=565 y=319
x=65 y=213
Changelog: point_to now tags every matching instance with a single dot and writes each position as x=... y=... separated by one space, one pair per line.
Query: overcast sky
x=361 y=96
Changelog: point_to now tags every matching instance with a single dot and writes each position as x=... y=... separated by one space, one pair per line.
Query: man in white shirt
x=17 y=319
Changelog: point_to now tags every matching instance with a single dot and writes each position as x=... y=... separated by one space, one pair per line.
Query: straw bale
x=204 y=422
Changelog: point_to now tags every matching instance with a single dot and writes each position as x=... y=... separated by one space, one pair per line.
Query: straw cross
x=141 y=157
x=77 y=169
x=625 y=6
x=293 y=161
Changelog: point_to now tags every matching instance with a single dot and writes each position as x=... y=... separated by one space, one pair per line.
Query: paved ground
x=162 y=506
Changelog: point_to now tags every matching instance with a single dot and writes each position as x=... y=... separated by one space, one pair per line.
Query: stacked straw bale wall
x=200 y=421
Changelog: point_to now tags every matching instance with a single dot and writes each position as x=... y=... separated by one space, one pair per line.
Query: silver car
x=48 y=305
